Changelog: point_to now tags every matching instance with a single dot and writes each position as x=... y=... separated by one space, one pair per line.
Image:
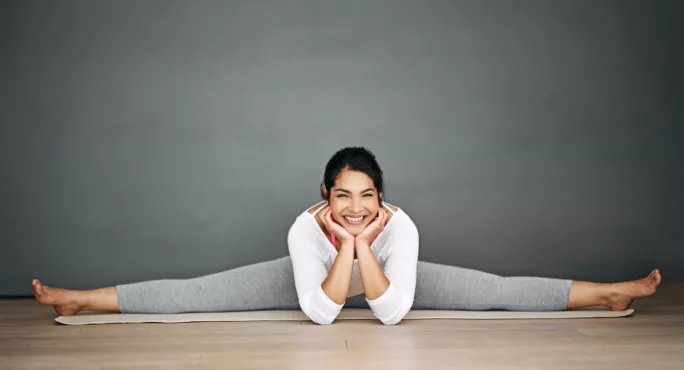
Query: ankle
x=609 y=294
x=101 y=299
x=83 y=298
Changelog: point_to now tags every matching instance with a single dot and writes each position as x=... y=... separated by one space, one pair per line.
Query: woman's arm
x=375 y=283
x=390 y=292
x=336 y=285
x=311 y=275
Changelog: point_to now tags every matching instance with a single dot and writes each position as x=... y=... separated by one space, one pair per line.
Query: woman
x=354 y=250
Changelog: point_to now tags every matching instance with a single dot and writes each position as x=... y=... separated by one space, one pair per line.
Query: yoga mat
x=86 y=318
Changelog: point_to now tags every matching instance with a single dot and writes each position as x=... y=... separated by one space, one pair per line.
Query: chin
x=357 y=230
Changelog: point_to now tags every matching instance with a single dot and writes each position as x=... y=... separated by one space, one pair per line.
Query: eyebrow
x=347 y=191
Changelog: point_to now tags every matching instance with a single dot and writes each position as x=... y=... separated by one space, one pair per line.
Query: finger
x=384 y=218
x=326 y=219
x=330 y=217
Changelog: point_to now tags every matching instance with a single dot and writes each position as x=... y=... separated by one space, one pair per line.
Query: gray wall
x=171 y=139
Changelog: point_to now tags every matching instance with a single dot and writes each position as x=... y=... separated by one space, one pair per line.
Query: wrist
x=347 y=244
x=361 y=244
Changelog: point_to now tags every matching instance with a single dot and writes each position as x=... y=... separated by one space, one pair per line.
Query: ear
x=324 y=191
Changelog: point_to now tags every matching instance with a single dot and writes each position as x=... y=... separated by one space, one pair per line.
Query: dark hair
x=353 y=159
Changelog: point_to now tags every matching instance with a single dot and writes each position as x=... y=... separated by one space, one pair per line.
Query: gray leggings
x=270 y=286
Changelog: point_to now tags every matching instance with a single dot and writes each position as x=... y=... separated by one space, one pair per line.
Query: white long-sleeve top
x=312 y=255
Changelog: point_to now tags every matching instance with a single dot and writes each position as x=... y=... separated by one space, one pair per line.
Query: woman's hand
x=373 y=229
x=343 y=236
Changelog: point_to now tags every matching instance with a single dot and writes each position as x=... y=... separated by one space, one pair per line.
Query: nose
x=356 y=207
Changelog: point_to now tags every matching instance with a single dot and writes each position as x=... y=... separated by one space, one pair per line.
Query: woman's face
x=354 y=195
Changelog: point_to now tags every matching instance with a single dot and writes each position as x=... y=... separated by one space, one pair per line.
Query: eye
x=342 y=195
x=370 y=195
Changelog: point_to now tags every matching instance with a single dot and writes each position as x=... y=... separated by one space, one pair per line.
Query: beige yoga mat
x=86 y=318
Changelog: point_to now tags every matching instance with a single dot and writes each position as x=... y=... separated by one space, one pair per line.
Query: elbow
x=319 y=312
x=323 y=321
x=392 y=321
x=319 y=318
x=397 y=317
x=391 y=307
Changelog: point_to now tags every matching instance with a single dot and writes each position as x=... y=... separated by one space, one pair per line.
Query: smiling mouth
x=355 y=220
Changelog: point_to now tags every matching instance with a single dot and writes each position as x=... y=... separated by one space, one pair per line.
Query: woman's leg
x=444 y=287
x=260 y=286
x=456 y=288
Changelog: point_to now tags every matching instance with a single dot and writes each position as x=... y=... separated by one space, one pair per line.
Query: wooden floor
x=652 y=338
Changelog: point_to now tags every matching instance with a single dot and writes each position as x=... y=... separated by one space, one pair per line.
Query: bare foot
x=626 y=292
x=66 y=302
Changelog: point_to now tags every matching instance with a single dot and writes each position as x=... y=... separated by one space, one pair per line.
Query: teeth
x=354 y=219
